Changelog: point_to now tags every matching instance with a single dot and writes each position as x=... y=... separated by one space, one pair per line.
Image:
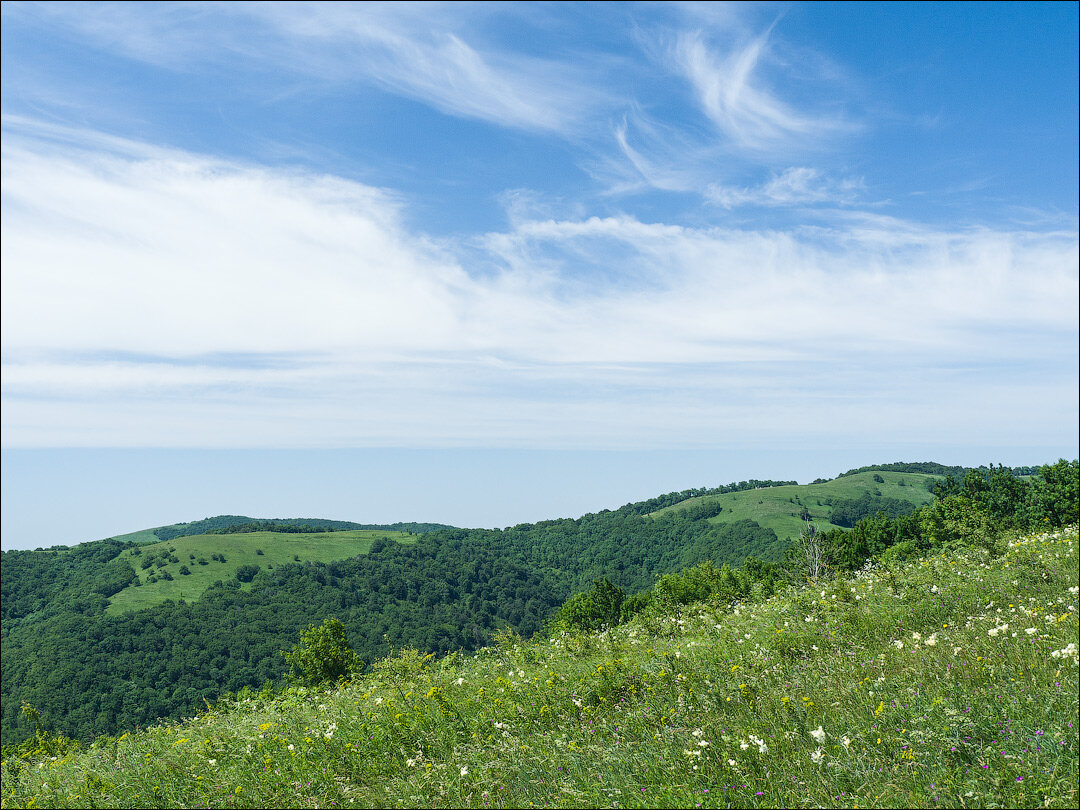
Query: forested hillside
x=90 y=669
x=946 y=680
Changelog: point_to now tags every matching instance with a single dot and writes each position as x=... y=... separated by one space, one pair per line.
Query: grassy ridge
x=278 y=548
x=948 y=682
x=781 y=508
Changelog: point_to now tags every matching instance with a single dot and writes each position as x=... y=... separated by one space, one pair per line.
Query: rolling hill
x=97 y=653
x=784 y=509
x=185 y=566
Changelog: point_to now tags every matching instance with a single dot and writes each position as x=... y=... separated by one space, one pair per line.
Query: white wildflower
x=410 y=762
x=817 y=756
x=916 y=637
x=898 y=644
x=818 y=735
x=845 y=741
x=464 y=770
x=931 y=640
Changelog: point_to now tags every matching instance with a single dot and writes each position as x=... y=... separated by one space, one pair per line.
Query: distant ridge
x=930 y=468
x=211 y=524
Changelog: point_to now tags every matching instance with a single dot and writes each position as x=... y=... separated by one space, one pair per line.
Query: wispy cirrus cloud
x=420 y=51
x=740 y=103
x=173 y=298
x=797 y=185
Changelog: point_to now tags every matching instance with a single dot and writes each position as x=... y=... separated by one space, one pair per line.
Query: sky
x=491 y=263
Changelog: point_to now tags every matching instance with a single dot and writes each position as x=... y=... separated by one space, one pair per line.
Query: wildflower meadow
x=946 y=681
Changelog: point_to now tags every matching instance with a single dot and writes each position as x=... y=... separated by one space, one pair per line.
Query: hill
x=785 y=509
x=951 y=681
x=224 y=522
x=93 y=668
x=185 y=566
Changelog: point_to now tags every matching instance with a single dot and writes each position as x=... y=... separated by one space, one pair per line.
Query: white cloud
x=152 y=296
x=797 y=185
x=420 y=51
x=739 y=104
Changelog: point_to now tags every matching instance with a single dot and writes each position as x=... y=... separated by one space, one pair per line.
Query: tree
x=1056 y=497
x=591 y=610
x=322 y=655
x=810 y=551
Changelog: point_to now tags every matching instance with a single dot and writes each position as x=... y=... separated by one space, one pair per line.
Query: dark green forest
x=89 y=674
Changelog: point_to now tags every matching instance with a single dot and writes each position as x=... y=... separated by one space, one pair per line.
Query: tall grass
x=948 y=682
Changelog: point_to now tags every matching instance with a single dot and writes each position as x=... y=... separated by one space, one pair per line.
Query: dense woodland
x=88 y=673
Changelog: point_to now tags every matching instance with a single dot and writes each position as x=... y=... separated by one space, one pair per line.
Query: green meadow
x=781 y=508
x=201 y=556
x=949 y=681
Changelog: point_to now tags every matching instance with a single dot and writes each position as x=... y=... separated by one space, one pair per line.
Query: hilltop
x=786 y=508
x=218 y=523
x=185 y=566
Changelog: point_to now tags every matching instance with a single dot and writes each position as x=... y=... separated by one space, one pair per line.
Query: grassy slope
x=278 y=548
x=141 y=536
x=779 y=508
x=918 y=692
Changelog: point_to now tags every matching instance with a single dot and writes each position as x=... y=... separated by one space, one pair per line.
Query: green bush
x=323 y=654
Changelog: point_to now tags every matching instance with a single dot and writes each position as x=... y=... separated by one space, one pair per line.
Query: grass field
x=780 y=508
x=278 y=548
x=947 y=682
x=141 y=536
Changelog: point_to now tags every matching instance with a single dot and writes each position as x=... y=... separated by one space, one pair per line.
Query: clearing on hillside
x=212 y=557
x=782 y=509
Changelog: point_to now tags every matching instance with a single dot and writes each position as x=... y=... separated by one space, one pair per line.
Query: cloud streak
x=739 y=102
x=153 y=296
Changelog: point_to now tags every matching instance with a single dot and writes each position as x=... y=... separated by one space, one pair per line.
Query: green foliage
x=927 y=467
x=95 y=671
x=902 y=691
x=322 y=655
x=786 y=509
x=672 y=498
x=1055 y=497
x=246 y=573
x=954 y=519
x=591 y=610
x=849 y=511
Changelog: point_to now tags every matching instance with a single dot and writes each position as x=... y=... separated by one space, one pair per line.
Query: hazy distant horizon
x=465 y=488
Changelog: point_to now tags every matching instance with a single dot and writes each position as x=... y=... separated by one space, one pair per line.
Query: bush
x=322 y=655
x=246 y=573
x=591 y=610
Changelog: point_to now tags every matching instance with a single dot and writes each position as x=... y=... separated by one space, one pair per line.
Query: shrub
x=323 y=654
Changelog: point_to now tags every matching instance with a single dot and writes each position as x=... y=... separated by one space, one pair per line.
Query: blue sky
x=657 y=246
